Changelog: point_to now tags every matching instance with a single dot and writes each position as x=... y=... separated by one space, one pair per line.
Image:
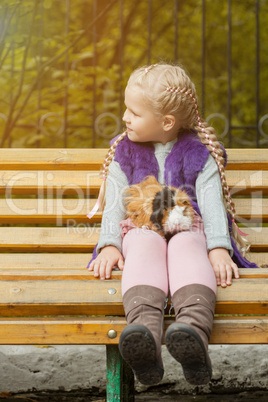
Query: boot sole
x=137 y=347
x=186 y=346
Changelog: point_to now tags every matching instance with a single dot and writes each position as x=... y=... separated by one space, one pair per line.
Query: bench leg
x=120 y=378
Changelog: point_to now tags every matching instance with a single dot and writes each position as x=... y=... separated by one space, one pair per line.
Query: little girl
x=166 y=138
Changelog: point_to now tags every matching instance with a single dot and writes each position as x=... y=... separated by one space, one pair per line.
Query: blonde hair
x=167 y=89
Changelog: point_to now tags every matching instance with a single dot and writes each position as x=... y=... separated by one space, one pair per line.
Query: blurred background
x=64 y=65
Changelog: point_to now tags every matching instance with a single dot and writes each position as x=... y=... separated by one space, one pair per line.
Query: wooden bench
x=48 y=297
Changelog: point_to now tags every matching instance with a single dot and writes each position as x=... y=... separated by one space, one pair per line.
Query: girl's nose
x=126 y=117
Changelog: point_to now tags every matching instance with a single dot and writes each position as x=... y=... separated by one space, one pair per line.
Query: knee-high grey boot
x=187 y=339
x=140 y=342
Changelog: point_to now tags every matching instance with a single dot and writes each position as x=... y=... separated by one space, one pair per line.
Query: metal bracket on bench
x=120 y=378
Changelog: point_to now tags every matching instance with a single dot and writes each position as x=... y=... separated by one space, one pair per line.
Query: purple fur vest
x=182 y=166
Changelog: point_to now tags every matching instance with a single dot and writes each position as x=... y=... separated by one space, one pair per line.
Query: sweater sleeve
x=114 y=211
x=211 y=205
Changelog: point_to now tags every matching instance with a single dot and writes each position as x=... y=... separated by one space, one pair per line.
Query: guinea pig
x=164 y=209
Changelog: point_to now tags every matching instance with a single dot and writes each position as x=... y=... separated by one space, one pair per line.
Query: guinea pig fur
x=164 y=209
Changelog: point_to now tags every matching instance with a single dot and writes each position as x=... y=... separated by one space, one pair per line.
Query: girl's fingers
x=105 y=261
x=223 y=275
x=96 y=269
x=229 y=274
x=109 y=268
x=236 y=270
x=216 y=269
x=226 y=274
x=102 y=270
x=218 y=278
x=121 y=264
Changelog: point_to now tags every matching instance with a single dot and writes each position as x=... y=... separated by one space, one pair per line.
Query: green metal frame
x=120 y=378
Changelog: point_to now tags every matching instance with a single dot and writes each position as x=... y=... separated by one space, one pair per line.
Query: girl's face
x=142 y=124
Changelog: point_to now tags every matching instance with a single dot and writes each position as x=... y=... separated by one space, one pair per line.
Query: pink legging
x=150 y=260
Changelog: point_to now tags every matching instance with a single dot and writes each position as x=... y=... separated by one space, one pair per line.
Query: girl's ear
x=168 y=122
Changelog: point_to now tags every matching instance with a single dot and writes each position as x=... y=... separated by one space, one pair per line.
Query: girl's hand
x=223 y=266
x=109 y=257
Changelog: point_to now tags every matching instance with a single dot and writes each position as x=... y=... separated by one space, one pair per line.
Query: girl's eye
x=132 y=113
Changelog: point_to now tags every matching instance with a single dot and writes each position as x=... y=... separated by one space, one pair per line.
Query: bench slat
x=50 y=182
x=240 y=330
x=60 y=291
x=250 y=158
x=50 y=159
x=50 y=273
x=244 y=296
x=48 y=261
x=48 y=239
x=71 y=309
x=245 y=159
x=252 y=209
x=115 y=309
x=69 y=210
x=259 y=258
x=258 y=237
x=49 y=211
x=79 y=182
x=45 y=331
x=83 y=239
x=247 y=182
x=66 y=274
x=44 y=261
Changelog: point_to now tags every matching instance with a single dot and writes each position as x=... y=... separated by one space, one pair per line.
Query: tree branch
x=126 y=29
x=11 y=123
x=16 y=98
x=5 y=56
x=5 y=28
x=74 y=42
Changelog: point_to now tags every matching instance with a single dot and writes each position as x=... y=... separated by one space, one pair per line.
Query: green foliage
x=59 y=69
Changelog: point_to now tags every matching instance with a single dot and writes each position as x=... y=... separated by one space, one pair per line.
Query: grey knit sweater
x=209 y=198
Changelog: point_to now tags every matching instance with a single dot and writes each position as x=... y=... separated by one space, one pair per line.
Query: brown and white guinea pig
x=164 y=209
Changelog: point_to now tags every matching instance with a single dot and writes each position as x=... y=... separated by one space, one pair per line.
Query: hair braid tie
x=102 y=193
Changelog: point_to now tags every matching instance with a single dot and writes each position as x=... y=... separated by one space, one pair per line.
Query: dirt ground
x=86 y=396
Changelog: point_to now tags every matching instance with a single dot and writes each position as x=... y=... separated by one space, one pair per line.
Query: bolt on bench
x=46 y=294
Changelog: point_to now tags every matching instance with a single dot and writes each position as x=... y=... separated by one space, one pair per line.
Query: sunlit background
x=64 y=65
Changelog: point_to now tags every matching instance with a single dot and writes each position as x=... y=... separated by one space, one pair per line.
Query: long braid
x=109 y=156
x=208 y=137
x=104 y=173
